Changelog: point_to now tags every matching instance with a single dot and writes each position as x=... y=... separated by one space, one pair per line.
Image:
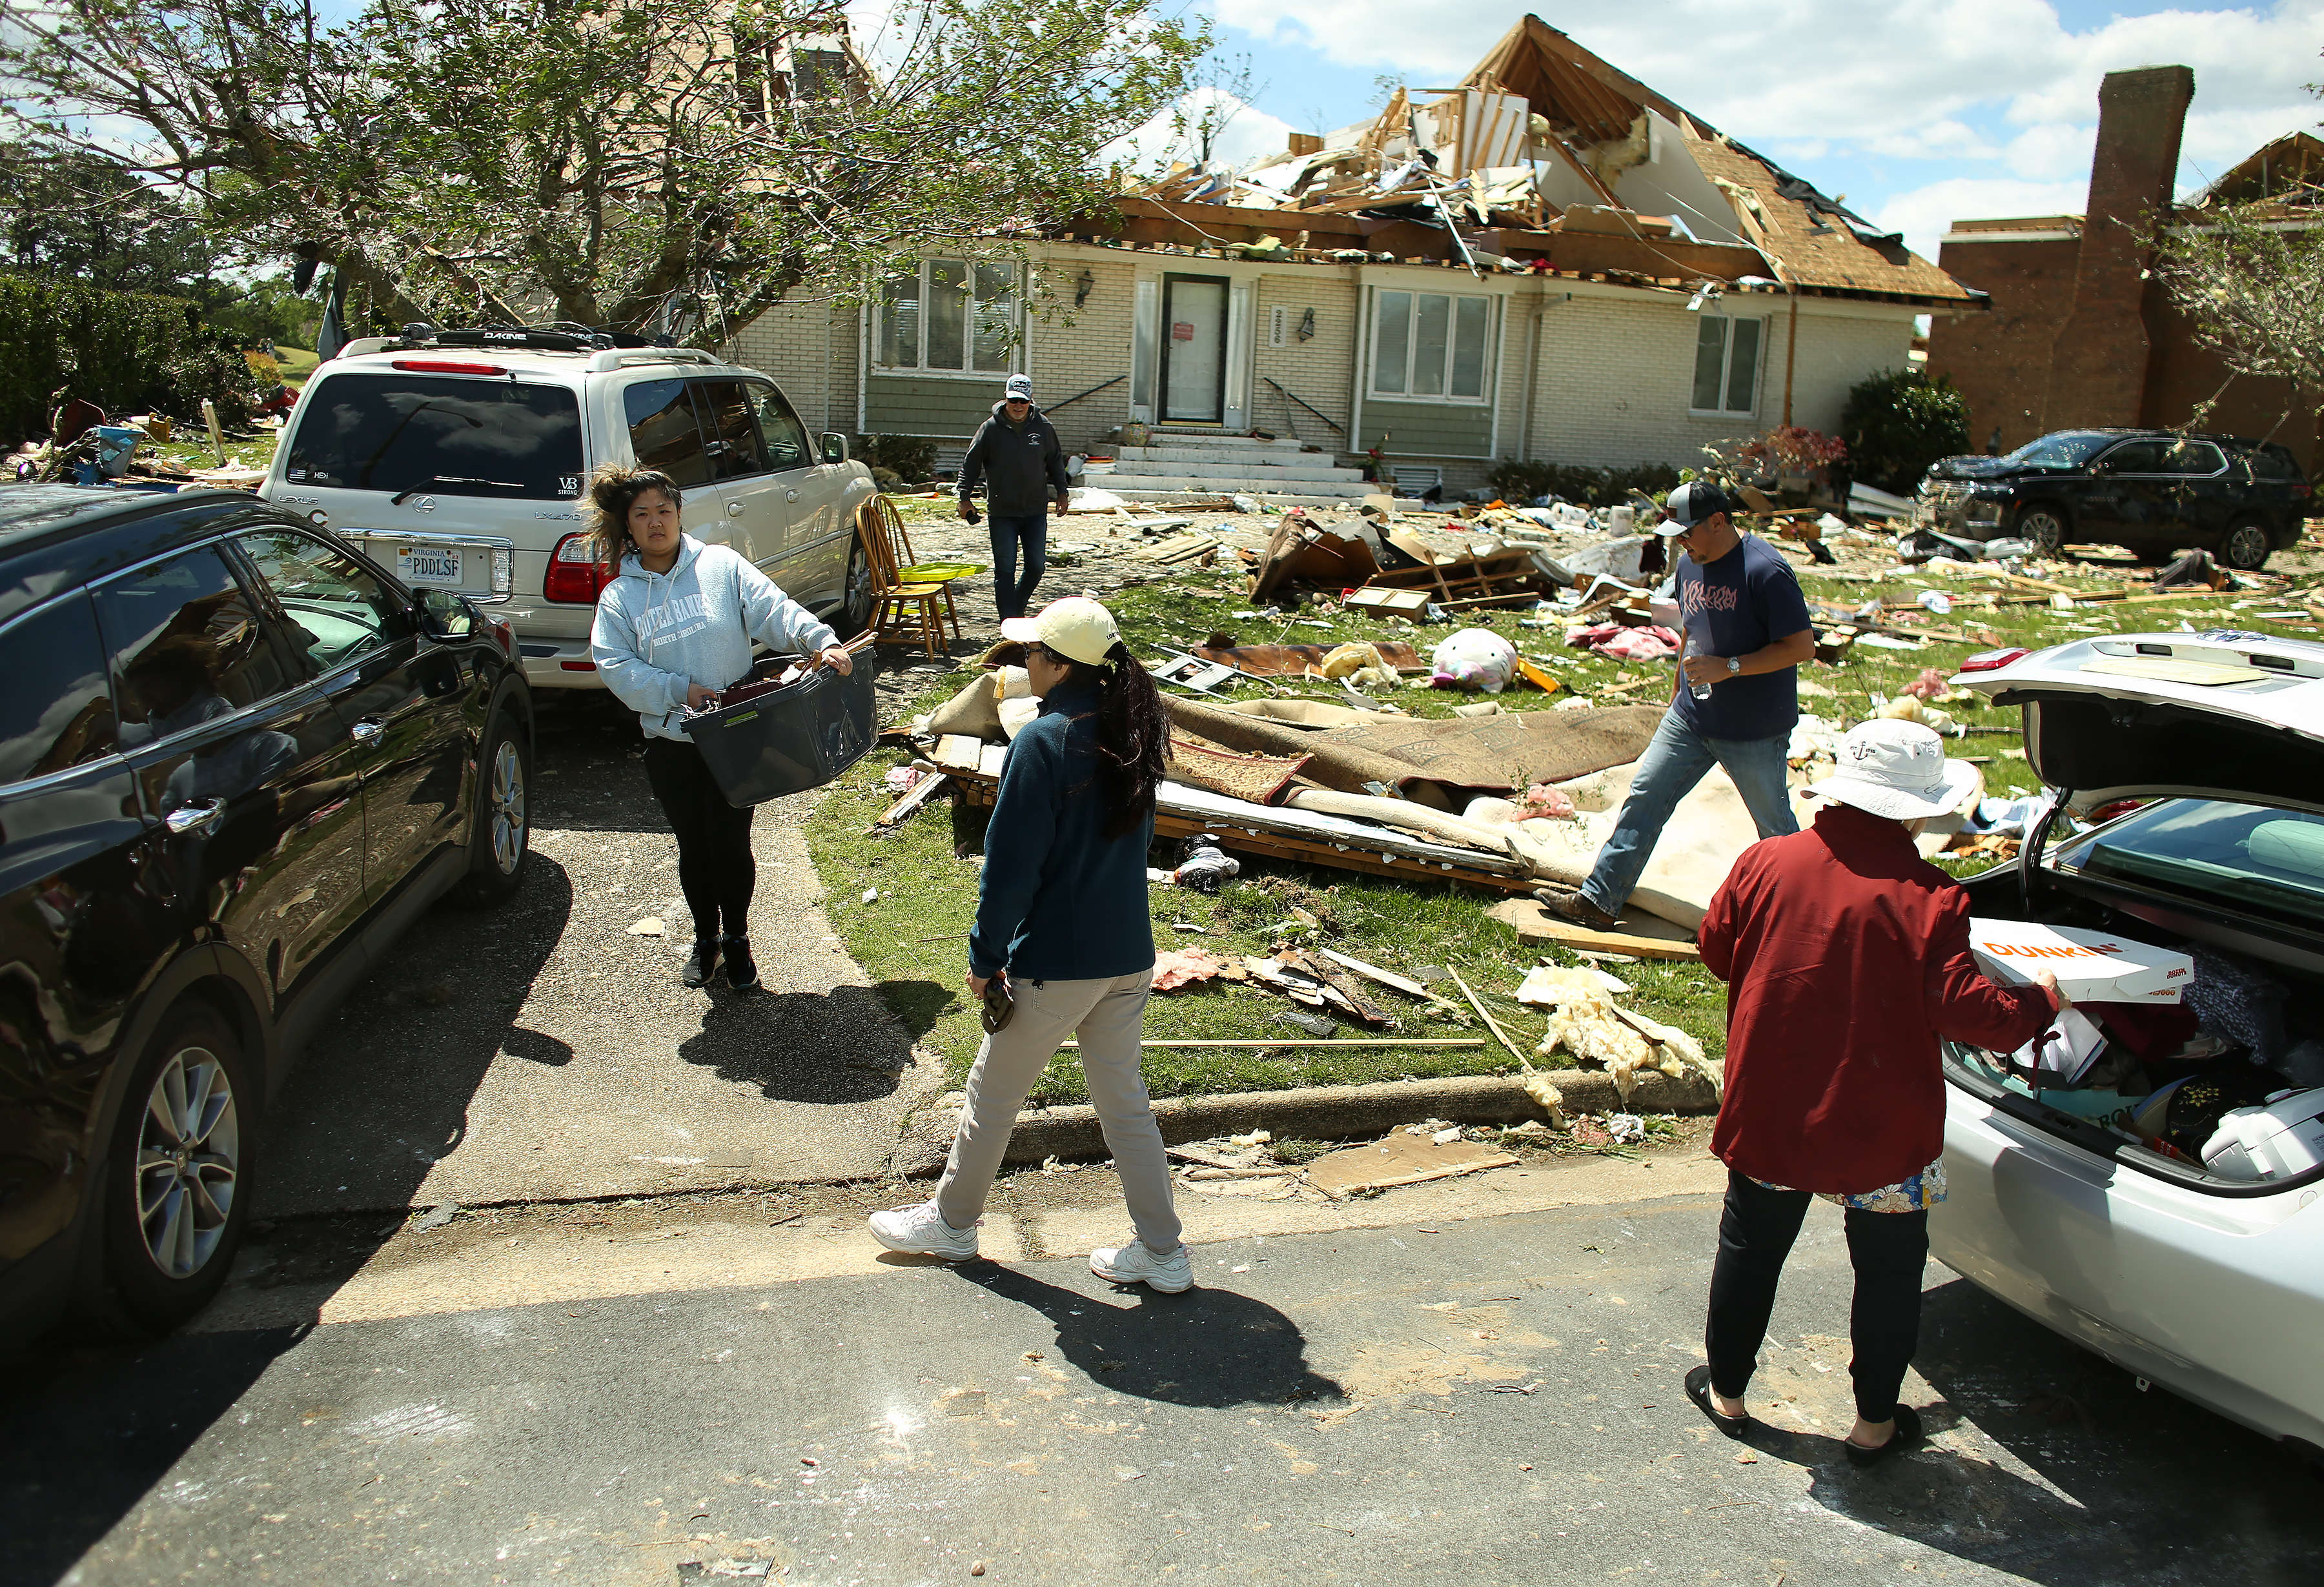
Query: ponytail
x=1133 y=737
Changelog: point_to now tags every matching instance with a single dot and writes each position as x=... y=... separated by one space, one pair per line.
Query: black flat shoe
x=1698 y=1389
x=741 y=969
x=702 y=964
x=1907 y=1436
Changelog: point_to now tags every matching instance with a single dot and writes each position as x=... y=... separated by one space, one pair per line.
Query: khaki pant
x=1107 y=1015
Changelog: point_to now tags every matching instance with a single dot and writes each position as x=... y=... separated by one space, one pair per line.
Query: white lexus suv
x=457 y=459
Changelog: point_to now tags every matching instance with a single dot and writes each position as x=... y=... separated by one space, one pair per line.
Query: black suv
x=236 y=760
x=2151 y=490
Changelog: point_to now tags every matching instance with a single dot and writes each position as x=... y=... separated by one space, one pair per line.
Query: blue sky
x=1919 y=111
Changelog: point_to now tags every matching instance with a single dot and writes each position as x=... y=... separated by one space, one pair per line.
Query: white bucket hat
x=1075 y=627
x=1898 y=769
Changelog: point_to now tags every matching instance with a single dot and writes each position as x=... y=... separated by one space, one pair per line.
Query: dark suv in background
x=2151 y=490
x=236 y=759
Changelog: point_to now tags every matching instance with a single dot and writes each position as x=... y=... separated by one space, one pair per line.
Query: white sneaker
x=1134 y=1264
x=921 y=1231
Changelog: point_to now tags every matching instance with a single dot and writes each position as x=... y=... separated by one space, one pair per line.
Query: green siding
x=1428 y=429
x=919 y=405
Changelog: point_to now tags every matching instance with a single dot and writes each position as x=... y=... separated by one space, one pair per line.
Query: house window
x=949 y=316
x=1430 y=344
x=1726 y=366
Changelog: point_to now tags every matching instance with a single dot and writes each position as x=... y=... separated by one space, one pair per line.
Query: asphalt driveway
x=545 y=1051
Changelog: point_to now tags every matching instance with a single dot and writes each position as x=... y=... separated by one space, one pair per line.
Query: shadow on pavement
x=2065 y=1506
x=831 y=1047
x=1206 y=1347
x=384 y=1091
x=79 y=1450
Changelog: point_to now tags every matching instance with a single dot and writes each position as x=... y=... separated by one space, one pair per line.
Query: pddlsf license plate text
x=422 y=565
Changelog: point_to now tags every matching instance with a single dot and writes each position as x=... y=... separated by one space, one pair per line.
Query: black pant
x=1009 y=529
x=714 y=867
x=1888 y=1250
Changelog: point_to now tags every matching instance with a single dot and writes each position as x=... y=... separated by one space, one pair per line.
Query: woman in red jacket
x=1846 y=958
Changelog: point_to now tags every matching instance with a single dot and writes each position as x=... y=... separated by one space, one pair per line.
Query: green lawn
x=911 y=941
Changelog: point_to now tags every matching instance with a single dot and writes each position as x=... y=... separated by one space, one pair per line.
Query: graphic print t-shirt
x=1745 y=601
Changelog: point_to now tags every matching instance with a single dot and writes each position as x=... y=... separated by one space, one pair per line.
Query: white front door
x=1193 y=350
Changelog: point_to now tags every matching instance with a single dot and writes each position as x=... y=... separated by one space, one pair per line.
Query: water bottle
x=1699 y=690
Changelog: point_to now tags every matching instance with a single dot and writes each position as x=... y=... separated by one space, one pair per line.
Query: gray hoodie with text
x=656 y=633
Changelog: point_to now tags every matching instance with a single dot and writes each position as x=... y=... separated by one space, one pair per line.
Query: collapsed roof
x=1547 y=159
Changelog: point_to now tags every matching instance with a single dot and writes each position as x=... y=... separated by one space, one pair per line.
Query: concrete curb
x=1315 y=1113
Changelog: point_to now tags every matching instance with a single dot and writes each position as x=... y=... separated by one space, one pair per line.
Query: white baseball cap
x=1018 y=389
x=1076 y=628
x=1898 y=769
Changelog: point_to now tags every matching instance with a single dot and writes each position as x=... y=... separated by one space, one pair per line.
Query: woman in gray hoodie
x=673 y=628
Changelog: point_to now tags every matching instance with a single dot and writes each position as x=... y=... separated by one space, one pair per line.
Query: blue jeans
x=1675 y=762
x=1009 y=593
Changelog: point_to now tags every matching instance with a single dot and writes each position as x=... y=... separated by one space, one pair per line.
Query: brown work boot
x=1571 y=903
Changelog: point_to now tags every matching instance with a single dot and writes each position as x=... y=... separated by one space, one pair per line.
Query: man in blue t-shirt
x=1733 y=704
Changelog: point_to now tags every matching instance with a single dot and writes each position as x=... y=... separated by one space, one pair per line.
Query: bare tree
x=604 y=163
x=2250 y=279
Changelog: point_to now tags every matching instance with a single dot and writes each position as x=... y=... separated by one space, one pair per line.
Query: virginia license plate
x=427 y=565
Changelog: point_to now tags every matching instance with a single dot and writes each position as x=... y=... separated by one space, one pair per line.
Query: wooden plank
x=1534 y=923
x=919 y=793
x=1313 y=1041
x=1385 y=978
x=957 y=752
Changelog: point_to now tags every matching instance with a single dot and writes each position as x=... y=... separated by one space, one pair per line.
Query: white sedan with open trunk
x=2161 y=1201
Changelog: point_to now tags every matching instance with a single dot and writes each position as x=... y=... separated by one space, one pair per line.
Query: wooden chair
x=911 y=600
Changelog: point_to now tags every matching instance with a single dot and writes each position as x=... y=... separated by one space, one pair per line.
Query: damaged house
x=1547 y=262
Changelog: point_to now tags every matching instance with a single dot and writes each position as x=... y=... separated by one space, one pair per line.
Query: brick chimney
x=2098 y=366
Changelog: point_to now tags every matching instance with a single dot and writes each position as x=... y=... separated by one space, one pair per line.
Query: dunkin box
x=2091 y=967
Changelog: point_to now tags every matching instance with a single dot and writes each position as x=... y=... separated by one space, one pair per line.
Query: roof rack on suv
x=609 y=348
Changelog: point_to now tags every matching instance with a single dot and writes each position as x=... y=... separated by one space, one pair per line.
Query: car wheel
x=854 y=614
x=178 y=1195
x=2246 y=545
x=2044 y=528
x=502 y=835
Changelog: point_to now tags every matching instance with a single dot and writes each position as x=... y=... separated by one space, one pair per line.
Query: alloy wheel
x=2044 y=530
x=2247 y=548
x=188 y=1162
x=506 y=811
x=858 y=609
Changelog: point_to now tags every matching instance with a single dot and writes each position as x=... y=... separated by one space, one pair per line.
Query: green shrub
x=911 y=458
x=1521 y=483
x=126 y=352
x=1899 y=422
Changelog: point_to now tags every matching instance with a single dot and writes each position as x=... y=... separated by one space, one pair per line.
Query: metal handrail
x=1294 y=396
x=1076 y=397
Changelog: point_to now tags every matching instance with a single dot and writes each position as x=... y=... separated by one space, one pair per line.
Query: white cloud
x=1244 y=134
x=1925 y=213
x=1895 y=79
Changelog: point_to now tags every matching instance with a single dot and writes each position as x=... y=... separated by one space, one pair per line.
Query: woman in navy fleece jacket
x=1063 y=926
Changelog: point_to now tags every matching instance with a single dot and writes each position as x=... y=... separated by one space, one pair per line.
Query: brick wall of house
x=1616 y=373
x=1320 y=370
x=1070 y=349
x=2000 y=358
x=2182 y=374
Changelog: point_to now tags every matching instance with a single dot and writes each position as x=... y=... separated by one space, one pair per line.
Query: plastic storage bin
x=785 y=740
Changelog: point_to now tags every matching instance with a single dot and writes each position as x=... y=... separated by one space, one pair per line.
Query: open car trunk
x=2222 y=734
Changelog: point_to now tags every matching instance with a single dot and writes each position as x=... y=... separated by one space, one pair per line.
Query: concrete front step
x=1320 y=471
x=1142 y=485
x=1257 y=455
x=1220 y=439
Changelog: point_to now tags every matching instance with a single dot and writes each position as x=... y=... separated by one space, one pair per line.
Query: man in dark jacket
x=1017 y=457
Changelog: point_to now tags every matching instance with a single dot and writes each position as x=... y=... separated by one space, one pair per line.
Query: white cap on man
x=1898 y=769
x=1019 y=389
